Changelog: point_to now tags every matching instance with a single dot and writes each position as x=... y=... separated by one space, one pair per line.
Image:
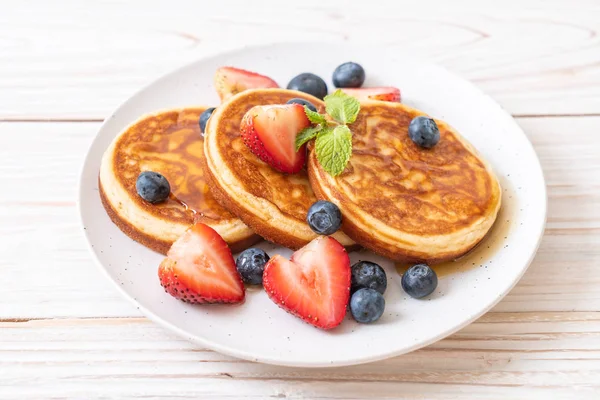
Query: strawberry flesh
x=270 y=133
x=230 y=81
x=387 y=93
x=199 y=268
x=314 y=284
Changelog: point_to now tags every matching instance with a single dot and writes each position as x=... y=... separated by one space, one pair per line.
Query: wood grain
x=66 y=333
x=80 y=61
x=140 y=359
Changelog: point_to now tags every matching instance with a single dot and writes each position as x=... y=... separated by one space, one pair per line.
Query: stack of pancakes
x=398 y=200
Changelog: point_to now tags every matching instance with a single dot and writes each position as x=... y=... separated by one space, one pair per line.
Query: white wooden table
x=66 y=333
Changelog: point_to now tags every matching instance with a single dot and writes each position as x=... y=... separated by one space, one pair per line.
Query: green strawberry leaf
x=334 y=147
x=314 y=117
x=307 y=134
x=342 y=107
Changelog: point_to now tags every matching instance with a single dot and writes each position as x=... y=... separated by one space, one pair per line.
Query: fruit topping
x=314 y=284
x=309 y=83
x=230 y=81
x=368 y=275
x=424 y=132
x=204 y=119
x=270 y=133
x=375 y=93
x=324 y=217
x=251 y=264
x=333 y=138
x=419 y=281
x=349 y=75
x=367 y=305
x=303 y=102
x=152 y=187
x=199 y=268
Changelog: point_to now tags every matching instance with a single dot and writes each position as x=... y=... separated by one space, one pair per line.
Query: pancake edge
x=153 y=243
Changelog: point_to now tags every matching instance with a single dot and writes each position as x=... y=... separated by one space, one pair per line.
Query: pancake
x=272 y=203
x=405 y=202
x=169 y=143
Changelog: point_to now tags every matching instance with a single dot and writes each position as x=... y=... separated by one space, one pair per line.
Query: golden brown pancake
x=169 y=143
x=272 y=203
x=405 y=202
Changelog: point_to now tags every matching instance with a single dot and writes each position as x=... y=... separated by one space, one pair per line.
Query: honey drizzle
x=195 y=214
x=183 y=204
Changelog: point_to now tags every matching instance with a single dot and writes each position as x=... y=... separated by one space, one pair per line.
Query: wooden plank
x=41 y=243
x=66 y=333
x=70 y=60
x=499 y=356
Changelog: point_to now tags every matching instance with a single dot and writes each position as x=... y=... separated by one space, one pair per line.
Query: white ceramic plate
x=259 y=330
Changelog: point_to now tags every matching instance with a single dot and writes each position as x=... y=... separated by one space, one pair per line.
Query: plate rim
x=234 y=352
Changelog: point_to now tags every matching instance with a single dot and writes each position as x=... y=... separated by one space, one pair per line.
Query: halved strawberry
x=270 y=133
x=314 y=285
x=387 y=93
x=199 y=268
x=230 y=81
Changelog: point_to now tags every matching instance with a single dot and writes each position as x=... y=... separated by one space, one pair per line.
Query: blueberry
x=324 y=217
x=369 y=275
x=424 y=132
x=204 y=119
x=349 y=75
x=251 y=264
x=152 y=187
x=303 y=102
x=419 y=281
x=309 y=83
x=367 y=305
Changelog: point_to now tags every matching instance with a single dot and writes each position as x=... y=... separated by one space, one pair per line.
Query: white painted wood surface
x=66 y=333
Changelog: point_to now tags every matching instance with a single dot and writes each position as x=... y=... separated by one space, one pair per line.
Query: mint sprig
x=334 y=147
x=314 y=116
x=333 y=144
x=341 y=107
x=307 y=134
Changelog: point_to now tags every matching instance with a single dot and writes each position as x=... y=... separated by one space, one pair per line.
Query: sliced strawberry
x=270 y=133
x=230 y=81
x=314 y=285
x=199 y=269
x=387 y=93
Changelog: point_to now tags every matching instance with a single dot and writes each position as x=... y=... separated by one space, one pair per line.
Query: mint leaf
x=334 y=147
x=341 y=107
x=314 y=117
x=307 y=134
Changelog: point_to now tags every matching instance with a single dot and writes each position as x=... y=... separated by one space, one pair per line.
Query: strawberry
x=230 y=81
x=387 y=93
x=314 y=285
x=199 y=268
x=270 y=133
